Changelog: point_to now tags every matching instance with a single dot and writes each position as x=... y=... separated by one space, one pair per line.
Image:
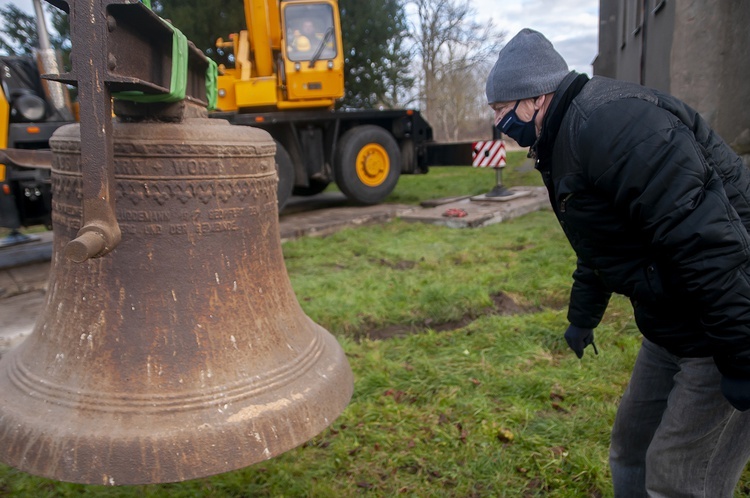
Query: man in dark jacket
x=657 y=208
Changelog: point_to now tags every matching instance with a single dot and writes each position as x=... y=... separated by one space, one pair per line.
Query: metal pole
x=41 y=26
x=48 y=61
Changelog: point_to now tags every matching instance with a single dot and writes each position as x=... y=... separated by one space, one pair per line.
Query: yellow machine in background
x=27 y=120
x=288 y=75
x=4 y=120
x=30 y=111
x=299 y=69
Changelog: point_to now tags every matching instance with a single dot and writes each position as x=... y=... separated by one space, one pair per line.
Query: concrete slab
x=508 y=195
x=39 y=249
x=19 y=314
x=329 y=220
x=443 y=201
x=17 y=238
x=482 y=212
x=298 y=204
x=22 y=279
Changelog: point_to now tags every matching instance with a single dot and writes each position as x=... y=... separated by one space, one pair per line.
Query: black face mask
x=524 y=133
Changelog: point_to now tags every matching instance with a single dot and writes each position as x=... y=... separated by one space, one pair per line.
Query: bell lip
x=88 y=449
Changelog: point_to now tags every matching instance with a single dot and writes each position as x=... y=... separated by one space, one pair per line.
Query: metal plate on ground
x=479 y=213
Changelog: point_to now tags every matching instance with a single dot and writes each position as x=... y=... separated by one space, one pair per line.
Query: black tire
x=314 y=188
x=368 y=164
x=408 y=156
x=285 y=170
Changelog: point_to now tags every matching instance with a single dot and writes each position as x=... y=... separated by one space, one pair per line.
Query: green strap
x=212 y=90
x=178 y=83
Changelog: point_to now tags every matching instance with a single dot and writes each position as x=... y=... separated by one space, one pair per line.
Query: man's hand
x=737 y=392
x=578 y=338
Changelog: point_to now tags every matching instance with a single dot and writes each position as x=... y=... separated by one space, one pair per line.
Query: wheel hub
x=372 y=165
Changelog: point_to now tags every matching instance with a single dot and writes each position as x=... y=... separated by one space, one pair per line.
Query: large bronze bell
x=183 y=352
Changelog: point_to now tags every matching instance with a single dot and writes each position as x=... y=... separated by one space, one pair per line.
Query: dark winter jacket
x=657 y=208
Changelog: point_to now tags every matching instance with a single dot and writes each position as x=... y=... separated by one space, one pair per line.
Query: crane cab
x=313 y=55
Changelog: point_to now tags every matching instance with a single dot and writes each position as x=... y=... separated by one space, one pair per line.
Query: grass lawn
x=472 y=392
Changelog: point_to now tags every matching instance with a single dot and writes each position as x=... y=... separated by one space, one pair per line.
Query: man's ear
x=539 y=102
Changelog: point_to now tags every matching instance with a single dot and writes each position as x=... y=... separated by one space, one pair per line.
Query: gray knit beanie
x=528 y=66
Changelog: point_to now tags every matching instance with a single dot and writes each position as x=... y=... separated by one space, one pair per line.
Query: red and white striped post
x=488 y=153
x=491 y=153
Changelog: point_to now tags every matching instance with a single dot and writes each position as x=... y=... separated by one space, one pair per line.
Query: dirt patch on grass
x=400 y=265
x=503 y=304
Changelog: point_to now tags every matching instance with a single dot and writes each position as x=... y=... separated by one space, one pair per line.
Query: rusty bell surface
x=184 y=352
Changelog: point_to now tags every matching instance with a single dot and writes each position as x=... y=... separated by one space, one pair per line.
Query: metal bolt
x=85 y=246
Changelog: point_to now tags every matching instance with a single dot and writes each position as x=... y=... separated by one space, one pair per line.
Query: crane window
x=310 y=32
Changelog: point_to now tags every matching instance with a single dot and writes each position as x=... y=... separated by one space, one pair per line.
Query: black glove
x=737 y=392
x=578 y=338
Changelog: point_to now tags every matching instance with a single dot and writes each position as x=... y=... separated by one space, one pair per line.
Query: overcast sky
x=571 y=25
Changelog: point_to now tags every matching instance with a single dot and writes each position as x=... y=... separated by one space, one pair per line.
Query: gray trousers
x=674 y=434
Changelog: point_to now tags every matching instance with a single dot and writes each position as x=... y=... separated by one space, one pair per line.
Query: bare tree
x=459 y=102
x=18 y=32
x=455 y=52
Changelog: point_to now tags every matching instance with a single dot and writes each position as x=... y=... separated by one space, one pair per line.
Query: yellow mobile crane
x=287 y=76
